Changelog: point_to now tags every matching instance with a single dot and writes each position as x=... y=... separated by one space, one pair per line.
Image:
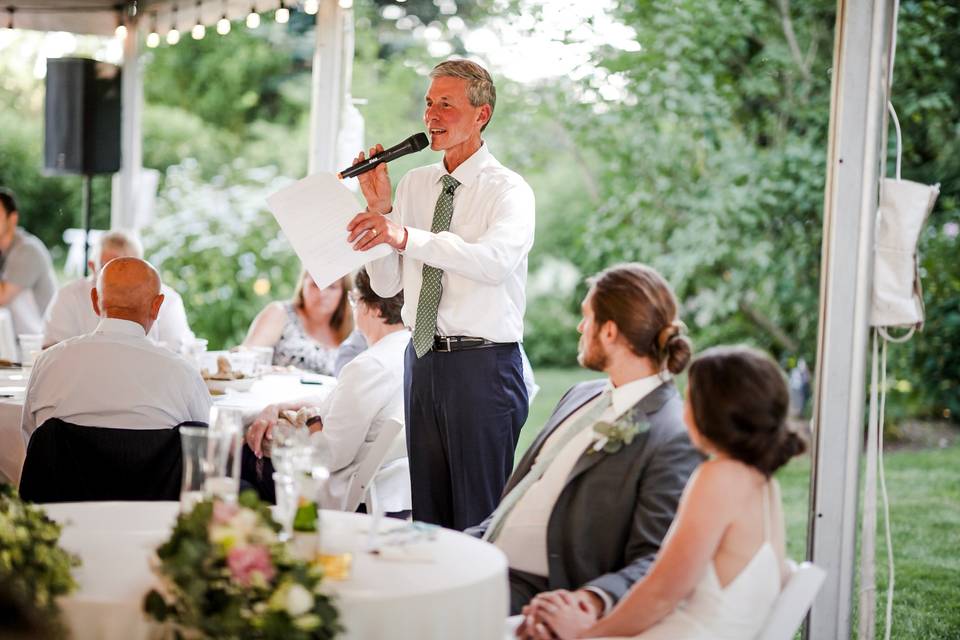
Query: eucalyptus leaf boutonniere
x=610 y=437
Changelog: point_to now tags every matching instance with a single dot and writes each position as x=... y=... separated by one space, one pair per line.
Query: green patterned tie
x=431 y=288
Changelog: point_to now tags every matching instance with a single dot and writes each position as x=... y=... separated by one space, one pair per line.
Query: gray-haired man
x=461 y=231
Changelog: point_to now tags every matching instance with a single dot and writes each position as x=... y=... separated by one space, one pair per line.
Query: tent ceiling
x=101 y=17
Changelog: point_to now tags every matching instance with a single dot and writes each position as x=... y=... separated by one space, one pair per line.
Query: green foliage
x=225 y=574
x=215 y=243
x=32 y=564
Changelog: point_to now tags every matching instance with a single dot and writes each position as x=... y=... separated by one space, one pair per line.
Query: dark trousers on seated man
x=464 y=411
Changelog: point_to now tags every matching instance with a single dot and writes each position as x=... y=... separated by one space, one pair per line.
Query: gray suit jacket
x=614 y=510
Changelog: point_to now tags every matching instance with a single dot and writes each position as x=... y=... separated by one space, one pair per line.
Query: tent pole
x=332 y=66
x=123 y=200
x=854 y=161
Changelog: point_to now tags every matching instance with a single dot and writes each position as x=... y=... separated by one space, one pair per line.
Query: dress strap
x=766 y=511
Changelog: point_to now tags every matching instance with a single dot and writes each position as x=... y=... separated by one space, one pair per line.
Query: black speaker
x=81 y=117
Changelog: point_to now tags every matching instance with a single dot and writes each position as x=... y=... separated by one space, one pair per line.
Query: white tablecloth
x=268 y=389
x=8 y=337
x=460 y=592
x=12 y=383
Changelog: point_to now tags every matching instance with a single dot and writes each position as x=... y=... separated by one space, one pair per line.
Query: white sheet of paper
x=314 y=213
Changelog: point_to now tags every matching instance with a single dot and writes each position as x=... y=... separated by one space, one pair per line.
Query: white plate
x=222 y=386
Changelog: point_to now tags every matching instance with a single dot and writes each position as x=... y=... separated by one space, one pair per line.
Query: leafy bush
x=216 y=244
x=32 y=564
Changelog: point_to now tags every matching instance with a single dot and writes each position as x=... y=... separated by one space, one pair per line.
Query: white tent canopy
x=855 y=151
x=102 y=17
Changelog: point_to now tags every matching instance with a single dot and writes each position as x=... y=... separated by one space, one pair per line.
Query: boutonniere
x=610 y=437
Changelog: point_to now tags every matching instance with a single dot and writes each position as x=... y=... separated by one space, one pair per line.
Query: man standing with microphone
x=461 y=231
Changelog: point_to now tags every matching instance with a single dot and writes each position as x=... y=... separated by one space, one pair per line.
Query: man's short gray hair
x=480 y=89
x=121 y=242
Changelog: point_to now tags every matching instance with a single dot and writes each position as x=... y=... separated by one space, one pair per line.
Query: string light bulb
x=153 y=38
x=311 y=7
x=198 y=30
x=121 y=32
x=173 y=36
x=253 y=18
x=282 y=16
x=223 y=25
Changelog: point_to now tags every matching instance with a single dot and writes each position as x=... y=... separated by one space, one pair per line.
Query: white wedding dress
x=734 y=612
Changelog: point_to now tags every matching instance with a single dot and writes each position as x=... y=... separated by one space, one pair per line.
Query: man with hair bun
x=590 y=502
x=460 y=231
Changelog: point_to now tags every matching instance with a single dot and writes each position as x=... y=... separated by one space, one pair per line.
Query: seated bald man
x=115 y=376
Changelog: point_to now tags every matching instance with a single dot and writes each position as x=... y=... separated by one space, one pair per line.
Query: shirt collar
x=470 y=168
x=629 y=394
x=125 y=327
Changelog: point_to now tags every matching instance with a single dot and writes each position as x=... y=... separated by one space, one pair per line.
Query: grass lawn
x=924 y=489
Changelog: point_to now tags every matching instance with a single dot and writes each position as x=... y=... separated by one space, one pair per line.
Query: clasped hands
x=372 y=227
x=261 y=429
x=559 y=614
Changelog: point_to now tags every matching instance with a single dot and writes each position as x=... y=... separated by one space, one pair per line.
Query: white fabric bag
x=904 y=206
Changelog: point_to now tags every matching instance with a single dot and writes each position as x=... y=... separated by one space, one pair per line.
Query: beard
x=592 y=355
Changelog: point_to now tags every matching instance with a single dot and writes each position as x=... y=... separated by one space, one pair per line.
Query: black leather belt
x=446 y=344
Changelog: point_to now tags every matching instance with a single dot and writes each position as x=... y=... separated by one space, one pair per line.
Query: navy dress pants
x=464 y=411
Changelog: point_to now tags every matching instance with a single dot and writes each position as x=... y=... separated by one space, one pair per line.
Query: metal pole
x=123 y=213
x=854 y=160
x=86 y=206
x=332 y=64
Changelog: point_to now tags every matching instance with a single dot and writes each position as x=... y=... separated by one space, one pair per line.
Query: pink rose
x=244 y=562
x=223 y=512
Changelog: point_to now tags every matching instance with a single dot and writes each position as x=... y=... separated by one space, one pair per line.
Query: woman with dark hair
x=312 y=331
x=722 y=563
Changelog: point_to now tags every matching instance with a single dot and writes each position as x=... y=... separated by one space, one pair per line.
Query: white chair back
x=793 y=602
x=362 y=478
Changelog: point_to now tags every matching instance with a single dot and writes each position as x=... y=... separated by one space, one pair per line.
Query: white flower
x=299 y=600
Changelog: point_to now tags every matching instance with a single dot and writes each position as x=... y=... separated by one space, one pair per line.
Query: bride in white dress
x=721 y=566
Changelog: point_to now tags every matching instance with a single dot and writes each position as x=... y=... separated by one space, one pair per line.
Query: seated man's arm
x=662 y=485
x=363 y=390
x=8 y=291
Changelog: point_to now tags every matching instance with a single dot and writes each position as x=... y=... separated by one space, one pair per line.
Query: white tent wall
x=855 y=160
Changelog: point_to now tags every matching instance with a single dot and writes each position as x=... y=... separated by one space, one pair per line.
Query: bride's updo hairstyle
x=739 y=399
x=642 y=305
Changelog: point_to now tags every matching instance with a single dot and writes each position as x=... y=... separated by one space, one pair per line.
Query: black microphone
x=416 y=142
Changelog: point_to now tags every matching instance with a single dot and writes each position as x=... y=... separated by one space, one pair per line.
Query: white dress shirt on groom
x=114 y=377
x=523 y=537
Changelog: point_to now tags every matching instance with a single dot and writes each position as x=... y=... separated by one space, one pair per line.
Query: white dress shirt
x=523 y=537
x=483 y=255
x=369 y=391
x=113 y=377
x=71 y=314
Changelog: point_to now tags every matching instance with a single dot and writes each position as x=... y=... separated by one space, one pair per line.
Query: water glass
x=200 y=453
x=31 y=344
x=226 y=428
x=285 y=487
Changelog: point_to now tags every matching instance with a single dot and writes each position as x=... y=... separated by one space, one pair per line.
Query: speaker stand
x=86 y=204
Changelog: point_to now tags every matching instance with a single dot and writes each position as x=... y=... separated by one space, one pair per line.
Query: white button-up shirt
x=523 y=537
x=113 y=377
x=369 y=391
x=483 y=255
x=71 y=314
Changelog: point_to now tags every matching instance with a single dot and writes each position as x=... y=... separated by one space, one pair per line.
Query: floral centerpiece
x=224 y=573
x=32 y=565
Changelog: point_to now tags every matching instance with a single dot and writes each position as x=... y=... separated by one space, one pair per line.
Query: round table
x=458 y=591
